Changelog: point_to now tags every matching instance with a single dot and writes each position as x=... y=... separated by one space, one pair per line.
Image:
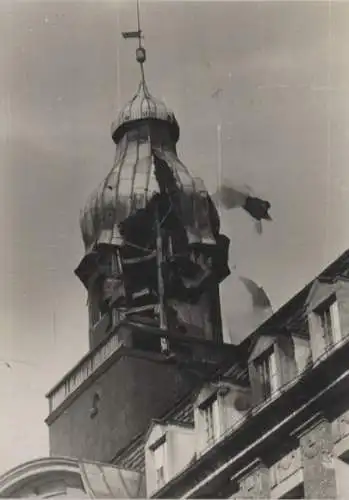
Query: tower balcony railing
x=145 y=339
x=83 y=370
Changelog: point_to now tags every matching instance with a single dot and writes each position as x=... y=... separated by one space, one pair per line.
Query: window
x=159 y=454
x=267 y=373
x=95 y=405
x=328 y=315
x=212 y=419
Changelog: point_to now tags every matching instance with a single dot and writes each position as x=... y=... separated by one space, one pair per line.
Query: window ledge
x=287 y=484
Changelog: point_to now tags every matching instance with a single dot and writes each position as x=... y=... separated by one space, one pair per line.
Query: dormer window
x=210 y=410
x=159 y=455
x=267 y=372
x=328 y=317
x=169 y=447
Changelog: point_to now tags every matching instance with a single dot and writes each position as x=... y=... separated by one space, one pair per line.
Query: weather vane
x=140 y=52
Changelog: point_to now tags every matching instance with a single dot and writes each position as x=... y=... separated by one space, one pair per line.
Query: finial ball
x=140 y=55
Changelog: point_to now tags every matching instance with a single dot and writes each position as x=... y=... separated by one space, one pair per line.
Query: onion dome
x=128 y=190
x=143 y=106
x=129 y=187
x=146 y=167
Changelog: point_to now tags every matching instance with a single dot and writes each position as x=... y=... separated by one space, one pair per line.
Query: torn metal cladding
x=130 y=187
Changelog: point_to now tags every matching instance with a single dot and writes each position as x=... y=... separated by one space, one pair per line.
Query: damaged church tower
x=154 y=259
x=151 y=232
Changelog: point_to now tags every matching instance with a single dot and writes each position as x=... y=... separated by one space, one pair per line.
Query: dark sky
x=65 y=71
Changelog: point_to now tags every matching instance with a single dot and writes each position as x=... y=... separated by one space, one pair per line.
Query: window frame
x=327 y=314
x=211 y=414
x=160 y=445
x=267 y=371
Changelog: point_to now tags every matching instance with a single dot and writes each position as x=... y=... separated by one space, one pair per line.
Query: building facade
x=272 y=423
x=159 y=397
x=285 y=434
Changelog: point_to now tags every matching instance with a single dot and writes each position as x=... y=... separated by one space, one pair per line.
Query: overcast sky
x=65 y=70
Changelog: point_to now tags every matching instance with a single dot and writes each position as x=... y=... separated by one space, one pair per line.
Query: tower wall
x=132 y=391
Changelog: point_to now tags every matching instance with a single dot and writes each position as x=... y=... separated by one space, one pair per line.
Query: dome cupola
x=143 y=106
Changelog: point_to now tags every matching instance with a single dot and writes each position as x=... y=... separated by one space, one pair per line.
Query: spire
x=142 y=106
x=140 y=52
